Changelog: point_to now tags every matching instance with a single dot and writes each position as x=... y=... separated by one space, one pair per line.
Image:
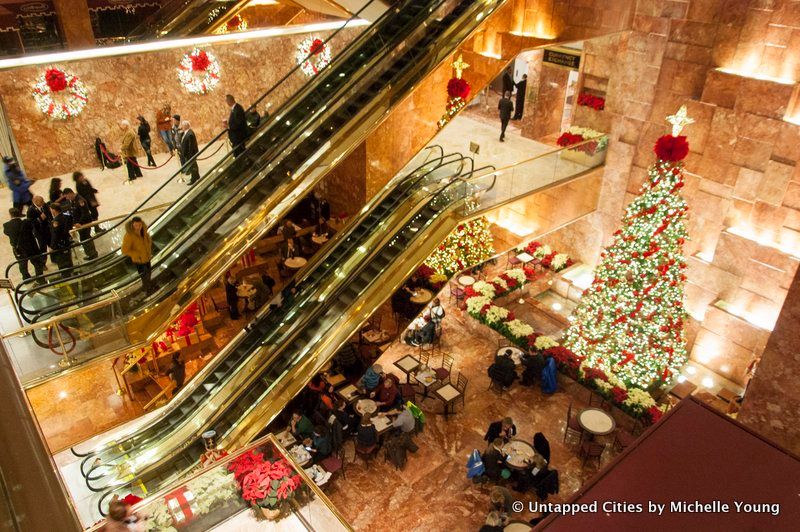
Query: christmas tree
x=469 y=244
x=630 y=320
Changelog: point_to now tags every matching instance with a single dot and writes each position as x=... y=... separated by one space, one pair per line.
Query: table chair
x=623 y=440
x=443 y=372
x=456 y=292
x=512 y=260
x=427 y=349
x=592 y=450
x=424 y=359
x=334 y=463
x=461 y=386
x=595 y=399
x=367 y=453
x=573 y=427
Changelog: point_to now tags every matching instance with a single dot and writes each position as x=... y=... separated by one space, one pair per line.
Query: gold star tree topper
x=679 y=120
x=460 y=66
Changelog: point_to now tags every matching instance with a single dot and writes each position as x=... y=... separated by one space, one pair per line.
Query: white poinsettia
x=517 y=274
x=496 y=314
x=544 y=342
x=476 y=303
x=484 y=288
x=500 y=282
x=602 y=385
x=559 y=261
x=519 y=329
x=542 y=251
x=639 y=399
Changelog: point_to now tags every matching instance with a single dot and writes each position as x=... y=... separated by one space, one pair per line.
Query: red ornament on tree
x=458 y=88
x=669 y=148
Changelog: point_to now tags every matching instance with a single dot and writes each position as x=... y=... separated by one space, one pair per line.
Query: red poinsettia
x=563 y=355
x=200 y=61
x=669 y=148
x=244 y=464
x=568 y=139
x=316 y=46
x=458 y=88
x=469 y=292
x=590 y=100
x=233 y=22
x=56 y=79
x=619 y=394
x=532 y=340
x=593 y=373
x=654 y=414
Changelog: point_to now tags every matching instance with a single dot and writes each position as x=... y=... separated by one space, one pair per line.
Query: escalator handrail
x=192 y=160
x=223 y=355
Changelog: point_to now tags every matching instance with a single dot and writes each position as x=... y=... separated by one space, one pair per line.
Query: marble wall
x=742 y=180
x=123 y=87
x=551 y=85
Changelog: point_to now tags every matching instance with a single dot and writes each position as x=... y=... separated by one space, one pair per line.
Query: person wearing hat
x=128 y=150
x=18 y=182
x=372 y=377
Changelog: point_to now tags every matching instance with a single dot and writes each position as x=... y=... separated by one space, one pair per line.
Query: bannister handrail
x=65 y=316
x=117 y=217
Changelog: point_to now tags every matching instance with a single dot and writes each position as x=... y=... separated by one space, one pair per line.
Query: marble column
x=76 y=26
x=772 y=404
x=548 y=106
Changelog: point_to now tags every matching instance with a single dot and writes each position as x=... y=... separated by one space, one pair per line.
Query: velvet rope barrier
x=52 y=346
x=119 y=159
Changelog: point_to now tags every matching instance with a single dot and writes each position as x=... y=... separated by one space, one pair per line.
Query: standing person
x=232 y=296
x=128 y=150
x=55 y=190
x=18 y=182
x=519 y=105
x=88 y=192
x=237 y=125
x=143 y=131
x=138 y=246
x=23 y=242
x=437 y=312
x=39 y=214
x=505 y=107
x=508 y=81
x=189 y=149
x=59 y=238
x=177 y=372
x=164 y=125
x=177 y=136
x=81 y=216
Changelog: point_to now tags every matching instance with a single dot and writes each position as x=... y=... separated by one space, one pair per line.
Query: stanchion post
x=65 y=362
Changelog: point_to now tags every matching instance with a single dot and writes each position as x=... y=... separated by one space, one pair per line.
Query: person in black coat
x=24 y=244
x=503 y=371
x=81 y=215
x=541 y=446
x=85 y=189
x=40 y=216
x=493 y=460
x=533 y=365
x=143 y=132
x=189 y=149
x=237 y=125
x=231 y=296
x=506 y=108
x=59 y=237
x=504 y=429
x=508 y=82
x=519 y=104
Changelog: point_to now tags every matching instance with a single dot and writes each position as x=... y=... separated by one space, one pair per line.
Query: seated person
x=372 y=377
x=494 y=461
x=344 y=414
x=323 y=392
x=268 y=281
x=425 y=334
x=495 y=522
x=503 y=371
x=346 y=361
x=323 y=228
x=413 y=327
x=319 y=444
x=501 y=500
x=367 y=435
x=533 y=365
x=388 y=394
x=301 y=426
x=529 y=478
x=541 y=446
x=405 y=424
x=504 y=430
x=289 y=250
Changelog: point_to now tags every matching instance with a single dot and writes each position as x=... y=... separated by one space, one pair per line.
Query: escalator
x=240 y=199
x=181 y=18
x=276 y=340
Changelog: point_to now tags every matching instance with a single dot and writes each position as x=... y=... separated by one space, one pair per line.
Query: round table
x=517 y=526
x=516 y=353
x=295 y=263
x=319 y=239
x=596 y=421
x=422 y=296
x=517 y=452
x=366 y=406
x=466 y=280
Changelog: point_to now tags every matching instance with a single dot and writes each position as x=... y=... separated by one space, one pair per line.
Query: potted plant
x=266 y=485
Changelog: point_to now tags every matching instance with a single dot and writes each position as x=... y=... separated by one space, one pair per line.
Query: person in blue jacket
x=18 y=182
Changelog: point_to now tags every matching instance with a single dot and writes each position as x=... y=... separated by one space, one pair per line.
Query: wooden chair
x=592 y=450
x=334 y=463
x=573 y=427
x=511 y=259
x=367 y=453
x=595 y=399
x=456 y=292
x=461 y=386
x=427 y=349
x=623 y=440
x=443 y=372
x=424 y=359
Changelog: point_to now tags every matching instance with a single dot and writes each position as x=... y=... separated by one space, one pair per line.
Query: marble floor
x=432 y=492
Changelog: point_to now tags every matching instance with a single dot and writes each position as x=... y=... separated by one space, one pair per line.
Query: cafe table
x=319 y=239
x=516 y=353
x=466 y=280
x=295 y=263
x=427 y=379
x=334 y=379
x=421 y=296
x=349 y=393
x=524 y=258
x=517 y=526
x=286 y=438
x=366 y=406
x=596 y=422
x=382 y=423
x=300 y=455
x=407 y=365
x=519 y=454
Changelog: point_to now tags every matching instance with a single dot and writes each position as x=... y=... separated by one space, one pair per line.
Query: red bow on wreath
x=200 y=61
x=56 y=80
x=316 y=47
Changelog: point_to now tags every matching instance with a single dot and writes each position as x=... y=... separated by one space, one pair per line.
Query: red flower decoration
x=316 y=46
x=564 y=356
x=458 y=88
x=234 y=22
x=56 y=79
x=200 y=61
x=590 y=100
x=669 y=148
x=568 y=139
x=619 y=394
x=593 y=373
x=130 y=499
x=654 y=413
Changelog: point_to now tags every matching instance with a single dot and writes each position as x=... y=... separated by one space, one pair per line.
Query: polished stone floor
x=432 y=492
